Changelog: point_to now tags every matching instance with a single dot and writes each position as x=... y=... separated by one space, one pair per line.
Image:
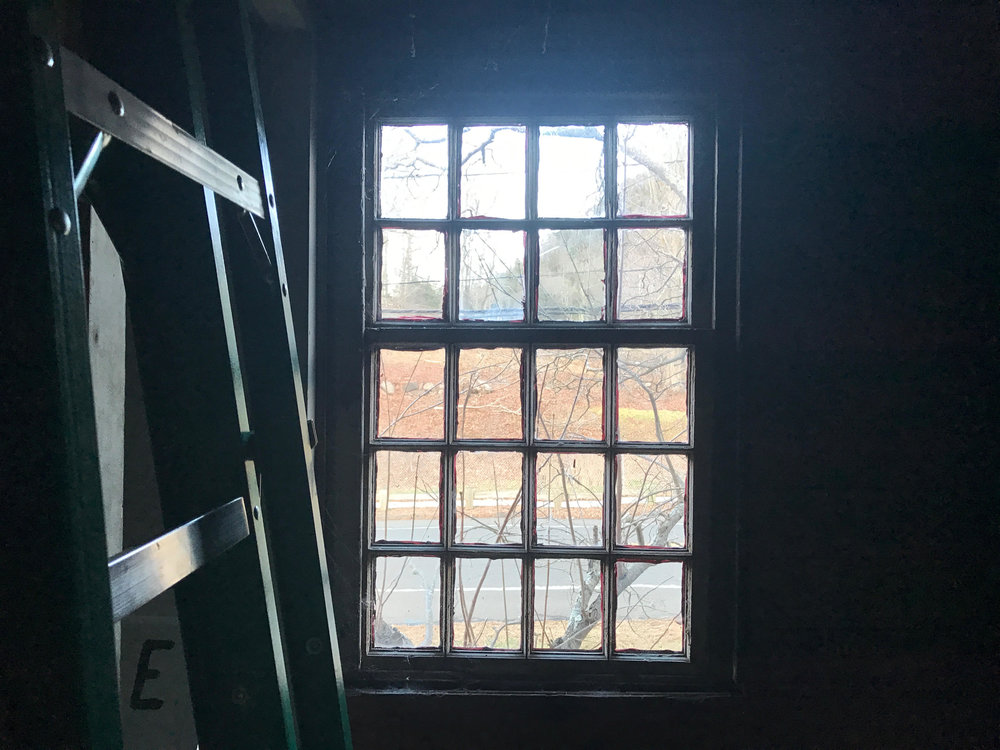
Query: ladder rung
x=147 y=571
x=92 y=96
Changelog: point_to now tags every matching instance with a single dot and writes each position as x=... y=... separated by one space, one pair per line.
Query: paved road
x=412 y=588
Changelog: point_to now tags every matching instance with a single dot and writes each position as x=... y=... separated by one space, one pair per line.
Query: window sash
x=698 y=222
x=610 y=448
x=575 y=670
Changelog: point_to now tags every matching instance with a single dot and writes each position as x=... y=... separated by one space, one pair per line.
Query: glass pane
x=493 y=172
x=652 y=272
x=487 y=604
x=567 y=608
x=570 y=386
x=492 y=276
x=488 y=497
x=569 y=499
x=653 y=395
x=653 y=169
x=489 y=394
x=407 y=602
x=652 y=494
x=413 y=172
x=407 y=493
x=649 y=616
x=412 y=285
x=411 y=393
x=571 y=171
x=571 y=274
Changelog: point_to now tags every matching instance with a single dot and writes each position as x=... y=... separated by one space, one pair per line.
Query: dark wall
x=869 y=288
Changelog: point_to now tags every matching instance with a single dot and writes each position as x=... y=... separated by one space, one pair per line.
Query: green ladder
x=202 y=258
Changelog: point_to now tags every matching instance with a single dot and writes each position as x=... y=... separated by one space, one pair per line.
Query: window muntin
x=564 y=472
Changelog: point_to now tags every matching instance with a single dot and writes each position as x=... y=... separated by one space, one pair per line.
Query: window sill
x=677 y=695
x=695 y=685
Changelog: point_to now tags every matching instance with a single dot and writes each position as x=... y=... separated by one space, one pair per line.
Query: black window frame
x=711 y=333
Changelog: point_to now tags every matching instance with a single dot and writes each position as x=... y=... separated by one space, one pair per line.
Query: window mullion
x=453 y=262
x=528 y=496
x=449 y=497
x=610 y=397
x=611 y=607
x=527 y=585
x=611 y=233
x=448 y=462
x=376 y=277
x=529 y=393
x=453 y=238
x=531 y=232
x=447 y=599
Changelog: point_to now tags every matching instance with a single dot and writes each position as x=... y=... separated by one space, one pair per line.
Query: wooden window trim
x=712 y=334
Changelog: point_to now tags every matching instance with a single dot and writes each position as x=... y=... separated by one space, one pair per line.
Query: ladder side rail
x=58 y=651
x=276 y=400
x=293 y=446
x=194 y=74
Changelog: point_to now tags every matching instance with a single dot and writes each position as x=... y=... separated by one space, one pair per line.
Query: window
x=543 y=357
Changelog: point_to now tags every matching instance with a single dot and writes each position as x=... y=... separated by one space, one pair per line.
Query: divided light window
x=531 y=433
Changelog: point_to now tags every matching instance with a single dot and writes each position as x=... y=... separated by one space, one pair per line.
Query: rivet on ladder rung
x=59 y=221
x=45 y=56
x=116 y=104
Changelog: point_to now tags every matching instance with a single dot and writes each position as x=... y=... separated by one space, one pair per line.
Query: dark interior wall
x=869 y=275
